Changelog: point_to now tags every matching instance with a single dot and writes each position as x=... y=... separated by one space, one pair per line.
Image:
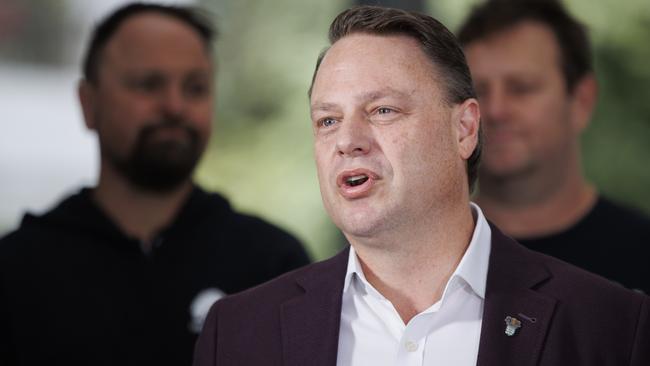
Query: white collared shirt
x=447 y=333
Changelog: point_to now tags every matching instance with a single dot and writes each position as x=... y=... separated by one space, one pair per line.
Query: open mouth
x=357 y=183
x=356 y=180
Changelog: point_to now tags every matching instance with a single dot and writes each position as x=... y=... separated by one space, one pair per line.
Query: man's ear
x=87 y=98
x=468 y=119
x=585 y=94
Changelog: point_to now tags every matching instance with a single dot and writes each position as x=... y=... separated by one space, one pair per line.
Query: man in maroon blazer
x=426 y=280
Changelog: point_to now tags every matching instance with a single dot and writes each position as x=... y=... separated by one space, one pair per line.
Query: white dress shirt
x=373 y=334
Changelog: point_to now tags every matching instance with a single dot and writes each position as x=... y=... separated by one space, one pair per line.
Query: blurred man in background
x=124 y=273
x=532 y=67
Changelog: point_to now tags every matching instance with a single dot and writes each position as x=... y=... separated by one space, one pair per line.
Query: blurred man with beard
x=124 y=273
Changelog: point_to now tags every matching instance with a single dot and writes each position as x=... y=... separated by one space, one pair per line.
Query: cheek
x=200 y=114
x=325 y=185
x=202 y=110
x=539 y=110
x=423 y=145
x=205 y=127
x=407 y=157
x=320 y=160
x=429 y=157
x=552 y=124
x=116 y=123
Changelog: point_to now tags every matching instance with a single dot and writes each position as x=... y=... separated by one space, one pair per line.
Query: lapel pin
x=512 y=324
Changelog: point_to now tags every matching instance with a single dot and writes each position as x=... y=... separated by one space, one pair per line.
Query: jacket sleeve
x=641 y=347
x=205 y=350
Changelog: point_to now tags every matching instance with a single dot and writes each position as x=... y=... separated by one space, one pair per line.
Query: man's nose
x=173 y=101
x=354 y=137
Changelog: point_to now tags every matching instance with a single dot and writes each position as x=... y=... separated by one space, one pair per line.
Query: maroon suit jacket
x=570 y=317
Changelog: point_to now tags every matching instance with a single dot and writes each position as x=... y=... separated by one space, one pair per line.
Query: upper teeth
x=355 y=178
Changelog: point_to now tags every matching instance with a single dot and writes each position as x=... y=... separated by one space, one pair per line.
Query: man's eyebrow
x=323 y=106
x=365 y=97
x=382 y=93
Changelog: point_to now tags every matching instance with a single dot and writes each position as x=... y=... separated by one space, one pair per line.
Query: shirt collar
x=354 y=268
x=472 y=268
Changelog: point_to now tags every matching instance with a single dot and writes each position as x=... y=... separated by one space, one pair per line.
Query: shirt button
x=411 y=346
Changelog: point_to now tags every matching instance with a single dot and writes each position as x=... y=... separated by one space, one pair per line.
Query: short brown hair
x=495 y=16
x=435 y=40
x=105 y=30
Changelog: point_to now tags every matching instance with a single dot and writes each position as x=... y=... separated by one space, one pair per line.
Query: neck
x=538 y=203
x=411 y=269
x=138 y=212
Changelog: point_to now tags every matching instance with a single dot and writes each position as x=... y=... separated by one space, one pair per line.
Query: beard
x=160 y=164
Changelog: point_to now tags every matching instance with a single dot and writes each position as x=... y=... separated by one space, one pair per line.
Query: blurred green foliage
x=261 y=154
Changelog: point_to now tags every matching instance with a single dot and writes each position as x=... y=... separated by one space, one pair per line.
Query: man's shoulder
x=580 y=315
x=327 y=273
x=299 y=304
x=38 y=229
x=211 y=215
x=612 y=213
x=568 y=284
x=214 y=208
x=572 y=282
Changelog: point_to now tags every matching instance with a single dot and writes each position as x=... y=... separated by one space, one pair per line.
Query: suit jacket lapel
x=310 y=322
x=511 y=277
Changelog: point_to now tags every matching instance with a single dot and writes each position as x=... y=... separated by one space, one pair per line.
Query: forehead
x=363 y=61
x=526 y=46
x=155 y=39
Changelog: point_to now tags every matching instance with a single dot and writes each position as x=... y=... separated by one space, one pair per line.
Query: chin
x=503 y=163
x=359 y=218
x=505 y=171
x=361 y=225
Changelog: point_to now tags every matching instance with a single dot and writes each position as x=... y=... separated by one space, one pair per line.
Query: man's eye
x=384 y=110
x=522 y=89
x=147 y=84
x=197 y=89
x=326 y=122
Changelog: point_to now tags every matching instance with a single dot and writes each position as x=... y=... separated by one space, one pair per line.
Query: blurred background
x=261 y=155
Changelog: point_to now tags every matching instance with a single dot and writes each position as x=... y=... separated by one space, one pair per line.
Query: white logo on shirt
x=201 y=305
